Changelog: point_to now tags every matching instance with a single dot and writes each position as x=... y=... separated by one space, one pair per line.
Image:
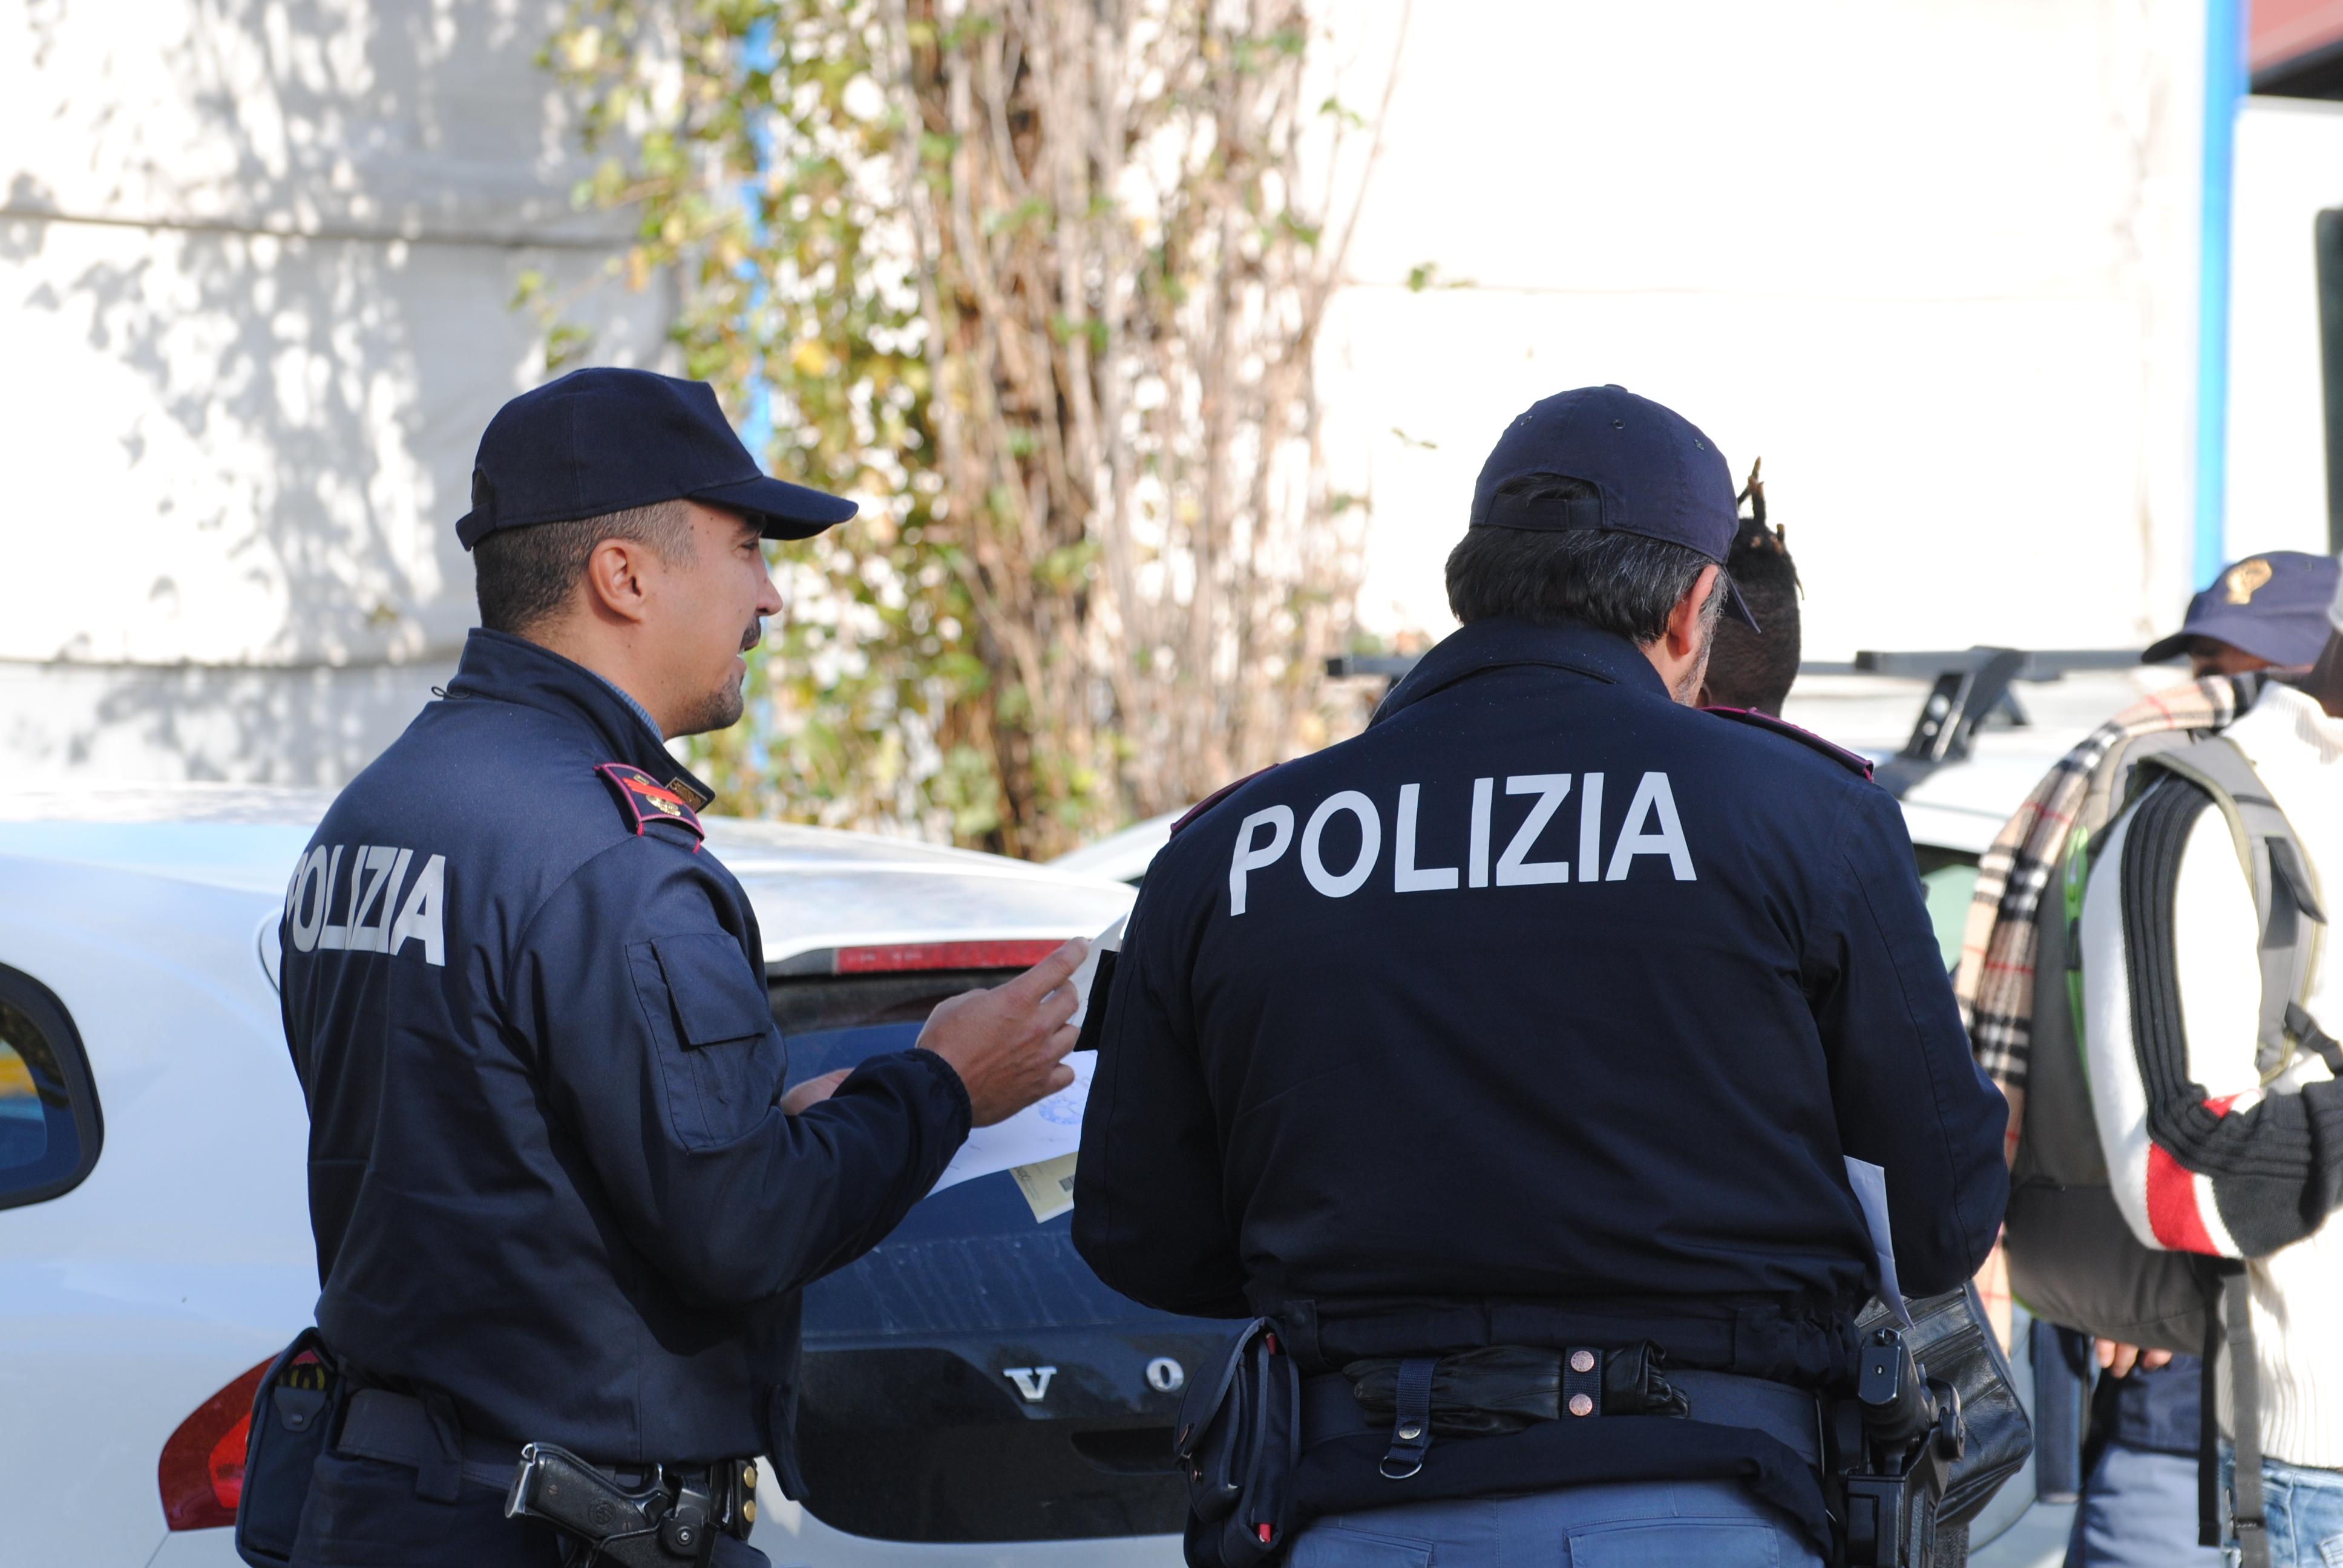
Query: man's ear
x=1684 y=620
x=617 y=579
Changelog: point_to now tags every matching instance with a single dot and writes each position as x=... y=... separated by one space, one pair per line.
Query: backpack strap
x=2247 y=1517
x=2113 y=782
x=2117 y=781
x=2285 y=897
x=2230 y=1331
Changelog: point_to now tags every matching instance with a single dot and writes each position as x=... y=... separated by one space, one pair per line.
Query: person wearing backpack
x=2215 y=1089
x=2263 y=613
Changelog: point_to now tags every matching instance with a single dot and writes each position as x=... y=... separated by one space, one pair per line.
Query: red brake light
x=942 y=956
x=202 y=1470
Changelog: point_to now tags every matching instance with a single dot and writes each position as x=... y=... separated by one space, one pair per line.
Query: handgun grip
x=554 y=1485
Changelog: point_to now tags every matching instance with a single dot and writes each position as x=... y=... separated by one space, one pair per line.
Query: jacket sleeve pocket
x=720 y=1058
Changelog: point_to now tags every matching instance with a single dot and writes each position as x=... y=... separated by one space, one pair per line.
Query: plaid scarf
x=1995 y=983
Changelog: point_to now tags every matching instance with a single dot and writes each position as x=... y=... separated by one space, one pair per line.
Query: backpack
x=2075 y=1258
x=2127 y=1252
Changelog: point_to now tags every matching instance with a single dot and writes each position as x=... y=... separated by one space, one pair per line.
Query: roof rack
x=1971 y=685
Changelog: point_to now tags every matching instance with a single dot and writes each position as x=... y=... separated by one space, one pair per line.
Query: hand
x=1008 y=1043
x=2118 y=1360
x=813 y=1090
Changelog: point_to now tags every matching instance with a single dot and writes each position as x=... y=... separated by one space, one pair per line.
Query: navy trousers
x=364 y=1514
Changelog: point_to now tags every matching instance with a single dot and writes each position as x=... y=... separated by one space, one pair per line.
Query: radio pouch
x=1239 y=1439
x=294 y=1413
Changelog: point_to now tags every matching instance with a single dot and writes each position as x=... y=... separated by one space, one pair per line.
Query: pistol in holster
x=1891 y=1450
x=670 y=1522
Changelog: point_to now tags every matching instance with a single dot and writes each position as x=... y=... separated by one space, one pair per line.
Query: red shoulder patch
x=1853 y=761
x=1215 y=797
x=643 y=799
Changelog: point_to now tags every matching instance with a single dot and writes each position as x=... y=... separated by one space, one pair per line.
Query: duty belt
x=398 y=1430
x=1508 y=1388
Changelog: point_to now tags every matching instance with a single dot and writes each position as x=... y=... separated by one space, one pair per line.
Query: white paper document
x=1109 y=940
x=1046 y=1132
x=1870 y=1184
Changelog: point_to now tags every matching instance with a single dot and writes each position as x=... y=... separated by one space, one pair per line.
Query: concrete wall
x=257 y=261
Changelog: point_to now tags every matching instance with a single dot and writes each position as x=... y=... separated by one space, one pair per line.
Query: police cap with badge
x=2272 y=606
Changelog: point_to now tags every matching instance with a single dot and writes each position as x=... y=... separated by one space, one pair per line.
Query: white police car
x=973 y=1396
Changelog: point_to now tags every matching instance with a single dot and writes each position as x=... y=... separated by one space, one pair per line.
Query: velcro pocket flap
x=714 y=992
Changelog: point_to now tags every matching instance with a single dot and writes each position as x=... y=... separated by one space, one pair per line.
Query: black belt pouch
x=1956 y=1344
x=1239 y=1439
x=294 y=1413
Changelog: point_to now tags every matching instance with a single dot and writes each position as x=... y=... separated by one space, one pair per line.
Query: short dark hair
x=1624 y=584
x=522 y=575
x=1756 y=668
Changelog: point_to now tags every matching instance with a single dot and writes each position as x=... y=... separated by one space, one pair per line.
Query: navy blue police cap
x=605 y=439
x=1653 y=472
x=2272 y=605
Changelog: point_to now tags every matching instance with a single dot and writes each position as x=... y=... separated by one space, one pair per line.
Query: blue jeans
x=2139 y=1511
x=1642 y=1524
x=2303 y=1510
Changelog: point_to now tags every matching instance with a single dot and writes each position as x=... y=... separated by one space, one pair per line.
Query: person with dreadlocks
x=1752 y=668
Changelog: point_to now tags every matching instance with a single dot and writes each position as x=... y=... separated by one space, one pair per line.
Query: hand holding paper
x=1052 y=1129
x=1008 y=1043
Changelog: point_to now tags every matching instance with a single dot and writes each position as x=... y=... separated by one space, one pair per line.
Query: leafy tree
x=1040 y=281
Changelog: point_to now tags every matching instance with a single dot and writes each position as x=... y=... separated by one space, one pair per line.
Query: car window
x=1948 y=888
x=48 y=1113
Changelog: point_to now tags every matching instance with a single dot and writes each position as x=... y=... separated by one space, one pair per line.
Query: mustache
x=754 y=635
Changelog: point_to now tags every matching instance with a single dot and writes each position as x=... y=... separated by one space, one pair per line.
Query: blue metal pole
x=2225 y=27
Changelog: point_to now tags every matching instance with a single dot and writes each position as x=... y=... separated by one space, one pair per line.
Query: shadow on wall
x=283 y=334
x=314 y=727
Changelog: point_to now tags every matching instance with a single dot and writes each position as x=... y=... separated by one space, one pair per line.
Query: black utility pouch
x=294 y=1413
x=1954 y=1343
x=1239 y=1439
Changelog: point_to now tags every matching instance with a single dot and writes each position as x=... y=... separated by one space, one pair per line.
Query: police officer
x=1532 y=1027
x=557 y=1192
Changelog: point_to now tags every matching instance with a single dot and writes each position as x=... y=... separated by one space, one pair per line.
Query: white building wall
x=1935 y=260
x=2289 y=167
x=256 y=266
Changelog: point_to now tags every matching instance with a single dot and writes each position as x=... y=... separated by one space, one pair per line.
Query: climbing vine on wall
x=1039 y=282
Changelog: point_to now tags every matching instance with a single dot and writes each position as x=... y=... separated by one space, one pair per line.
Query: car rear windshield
x=971 y=1380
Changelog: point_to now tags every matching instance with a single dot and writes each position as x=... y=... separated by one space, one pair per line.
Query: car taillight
x=900 y=956
x=202 y=1469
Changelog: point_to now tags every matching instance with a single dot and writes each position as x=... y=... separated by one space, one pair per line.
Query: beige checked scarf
x=1994 y=983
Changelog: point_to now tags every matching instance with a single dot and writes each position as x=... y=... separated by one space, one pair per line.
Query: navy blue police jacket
x=549 y=1176
x=1542 y=1012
